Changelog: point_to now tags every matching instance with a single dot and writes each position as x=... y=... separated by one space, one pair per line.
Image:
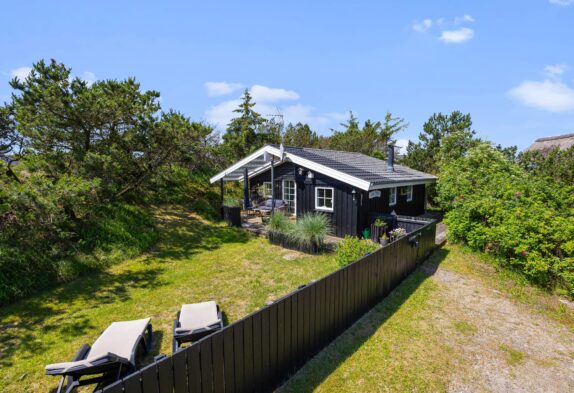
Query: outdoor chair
x=113 y=355
x=266 y=207
x=195 y=321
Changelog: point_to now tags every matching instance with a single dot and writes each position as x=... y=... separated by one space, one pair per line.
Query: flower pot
x=232 y=215
x=384 y=242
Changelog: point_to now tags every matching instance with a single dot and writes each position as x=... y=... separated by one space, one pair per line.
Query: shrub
x=352 y=248
x=310 y=230
x=231 y=201
x=525 y=221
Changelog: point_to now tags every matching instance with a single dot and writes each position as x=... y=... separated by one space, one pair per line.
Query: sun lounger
x=195 y=321
x=113 y=355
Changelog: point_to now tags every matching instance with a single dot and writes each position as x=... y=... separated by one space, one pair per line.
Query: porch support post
x=245 y=189
x=221 y=196
x=272 y=184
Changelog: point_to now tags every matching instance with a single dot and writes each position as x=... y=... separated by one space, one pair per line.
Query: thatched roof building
x=562 y=142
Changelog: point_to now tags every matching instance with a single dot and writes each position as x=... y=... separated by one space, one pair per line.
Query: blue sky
x=509 y=63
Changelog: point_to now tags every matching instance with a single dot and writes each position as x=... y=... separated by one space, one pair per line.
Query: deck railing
x=262 y=350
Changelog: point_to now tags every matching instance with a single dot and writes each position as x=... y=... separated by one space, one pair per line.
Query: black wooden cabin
x=351 y=188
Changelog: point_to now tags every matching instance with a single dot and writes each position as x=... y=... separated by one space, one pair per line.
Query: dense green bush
x=527 y=221
x=36 y=258
x=352 y=248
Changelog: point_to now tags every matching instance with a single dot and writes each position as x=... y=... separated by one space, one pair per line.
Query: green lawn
x=195 y=260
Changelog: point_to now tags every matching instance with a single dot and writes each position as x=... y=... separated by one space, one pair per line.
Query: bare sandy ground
x=502 y=346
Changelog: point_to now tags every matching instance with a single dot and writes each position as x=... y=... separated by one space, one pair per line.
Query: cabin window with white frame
x=267 y=189
x=409 y=193
x=392 y=196
x=324 y=198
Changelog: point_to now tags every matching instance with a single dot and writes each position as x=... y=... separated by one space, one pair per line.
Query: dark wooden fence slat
x=206 y=362
x=238 y=355
x=132 y=383
x=287 y=335
x=265 y=362
x=193 y=369
x=180 y=371
x=150 y=382
x=218 y=363
x=306 y=317
x=320 y=313
x=294 y=331
x=280 y=335
x=116 y=387
x=257 y=365
x=165 y=375
x=273 y=331
x=229 y=360
x=248 y=354
x=300 y=328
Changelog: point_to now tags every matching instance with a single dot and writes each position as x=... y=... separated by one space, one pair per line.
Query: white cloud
x=88 y=77
x=549 y=95
x=563 y=3
x=267 y=99
x=423 y=26
x=555 y=70
x=268 y=94
x=457 y=36
x=466 y=18
x=215 y=89
x=21 y=72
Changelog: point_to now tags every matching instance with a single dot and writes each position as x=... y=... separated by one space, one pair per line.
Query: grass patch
x=393 y=348
x=513 y=356
x=194 y=260
x=465 y=327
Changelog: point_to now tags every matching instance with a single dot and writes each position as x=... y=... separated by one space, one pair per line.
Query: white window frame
x=265 y=183
x=294 y=194
x=409 y=193
x=323 y=208
x=392 y=196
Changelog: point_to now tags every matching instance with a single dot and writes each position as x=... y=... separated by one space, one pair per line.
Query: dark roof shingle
x=363 y=167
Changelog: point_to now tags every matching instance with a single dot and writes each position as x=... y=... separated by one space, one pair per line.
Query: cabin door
x=290 y=195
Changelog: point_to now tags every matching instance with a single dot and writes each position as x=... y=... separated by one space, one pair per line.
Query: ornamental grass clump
x=279 y=223
x=310 y=231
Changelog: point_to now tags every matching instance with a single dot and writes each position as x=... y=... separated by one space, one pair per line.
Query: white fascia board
x=239 y=164
x=402 y=184
x=352 y=180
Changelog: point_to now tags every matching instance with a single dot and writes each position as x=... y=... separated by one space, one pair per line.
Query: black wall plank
x=150 y=382
x=218 y=363
x=238 y=355
x=248 y=354
x=206 y=365
x=257 y=361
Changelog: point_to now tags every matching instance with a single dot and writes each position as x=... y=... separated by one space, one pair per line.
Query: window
x=267 y=190
x=393 y=196
x=324 y=198
x=409 y=193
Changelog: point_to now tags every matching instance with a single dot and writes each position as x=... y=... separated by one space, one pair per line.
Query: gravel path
x=502 y=346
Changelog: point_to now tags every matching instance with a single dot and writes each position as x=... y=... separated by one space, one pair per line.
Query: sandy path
x=504 y=346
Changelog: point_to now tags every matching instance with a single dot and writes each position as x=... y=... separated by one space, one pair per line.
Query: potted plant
x=397 y=233
x=232 y=211
x=384 y=240
x=377 y=229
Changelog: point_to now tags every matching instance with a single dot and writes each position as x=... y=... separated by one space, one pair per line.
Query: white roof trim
x=239 y=164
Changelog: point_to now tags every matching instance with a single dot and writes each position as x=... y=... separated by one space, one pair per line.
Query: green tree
x=371 y=139
x=444 y=138
x=555 y=164
x=300 y=135
x=242 y=135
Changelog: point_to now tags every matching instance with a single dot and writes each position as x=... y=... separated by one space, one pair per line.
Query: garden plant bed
x=280 y=239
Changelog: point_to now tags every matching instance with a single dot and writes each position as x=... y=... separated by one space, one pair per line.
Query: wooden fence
x=262 y=350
